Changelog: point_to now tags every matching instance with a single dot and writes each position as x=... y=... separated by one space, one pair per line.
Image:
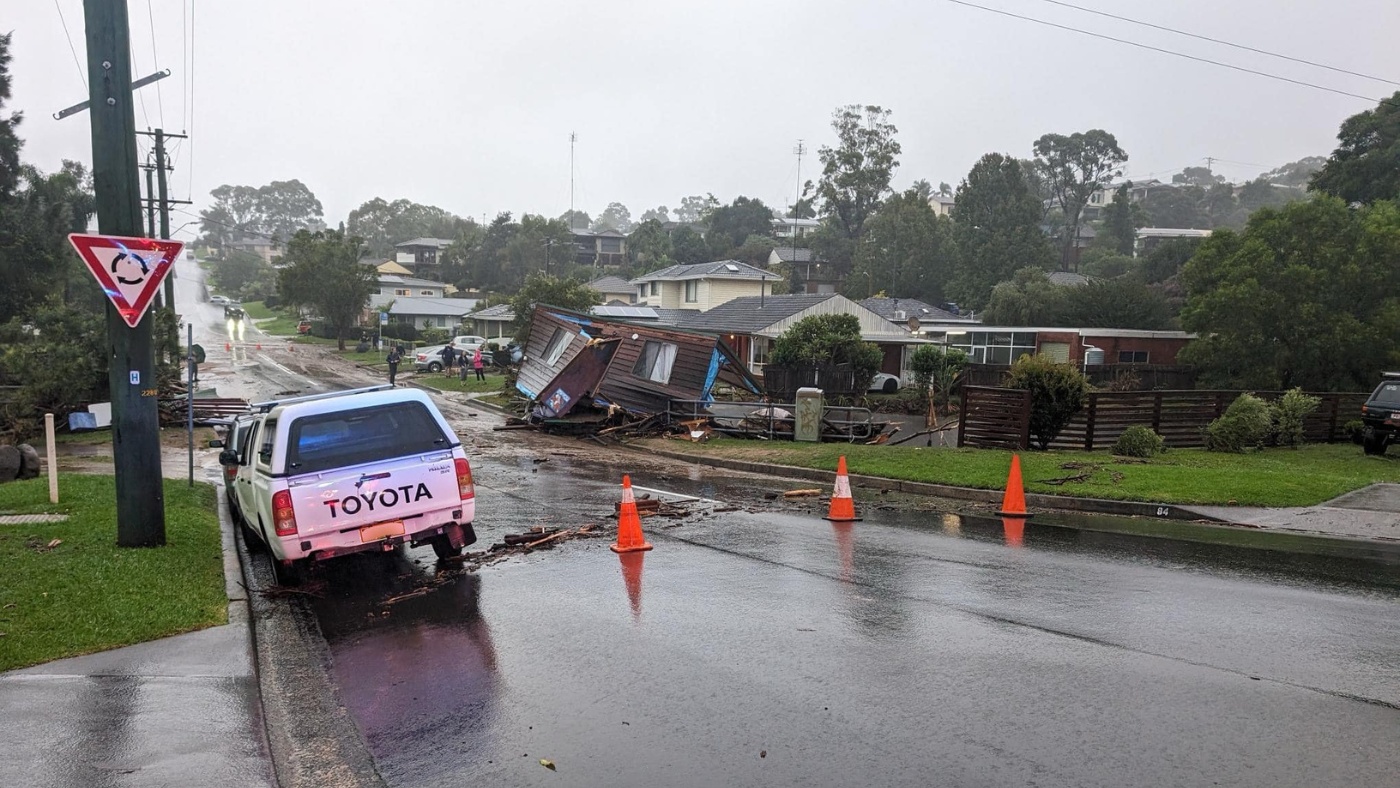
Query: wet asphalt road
x=768 y=647
x=765 y=646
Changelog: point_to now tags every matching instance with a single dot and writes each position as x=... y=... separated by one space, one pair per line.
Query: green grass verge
x=471 y=385
x=86 y=594
x=1274 y=477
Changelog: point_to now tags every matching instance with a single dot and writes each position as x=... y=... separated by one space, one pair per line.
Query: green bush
x=1288 y=414
x=1245 y=425
x=1057 y=392
x=1353 y=430
x=938 y=369
x=1139 y=441
x=829 y=339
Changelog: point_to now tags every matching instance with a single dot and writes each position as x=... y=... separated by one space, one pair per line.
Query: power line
x=1221 y=42
x=76 y=61
x=155 y=60
x=1171 y=52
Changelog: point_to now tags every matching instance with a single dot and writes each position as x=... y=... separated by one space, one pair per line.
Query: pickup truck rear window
x=353 y=437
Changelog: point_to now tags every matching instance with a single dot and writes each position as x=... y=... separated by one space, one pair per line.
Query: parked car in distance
x=235 y=438
x=304 y=327
x=429 y=359
x=218 y=300
x=233 y=311
x=327 y=475
x=1380 y=416
x=885 y=383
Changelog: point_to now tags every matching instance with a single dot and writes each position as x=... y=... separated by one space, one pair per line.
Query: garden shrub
x=1246 y=424
x=1139 y=441
x=1353 y=430
x=937 y=369
x=1288 y=414
x=1057 y=392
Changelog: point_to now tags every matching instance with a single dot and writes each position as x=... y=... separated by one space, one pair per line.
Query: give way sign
x=129 y=270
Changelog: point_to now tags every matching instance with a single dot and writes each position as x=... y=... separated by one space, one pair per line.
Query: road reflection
x=409 y=659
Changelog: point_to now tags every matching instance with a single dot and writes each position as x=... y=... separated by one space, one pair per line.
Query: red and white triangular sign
x=129 y=270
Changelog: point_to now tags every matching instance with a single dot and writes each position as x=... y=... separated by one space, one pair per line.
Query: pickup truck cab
x=327 y=475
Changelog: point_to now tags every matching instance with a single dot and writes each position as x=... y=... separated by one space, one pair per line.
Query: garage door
x=1058 y=351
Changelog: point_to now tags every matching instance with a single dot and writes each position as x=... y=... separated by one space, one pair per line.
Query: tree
x=455 y=259
x=906 y=249
x=614 y=217
x=9 y=137
x=944 y=190
x=829 y=339
x=322 y=271
x=239 y=270
x=1197 y=176
x=236 y=213
x=936 y=372
x=575 y=220
x=923 y=188
x=540 y=289
x=805 y=207
x=37 y=265
x=649 y=246
x=856 y=173
x=1296 y=174
x=1121 y=219
x=1365 y=167
x=1075 y=167
x=1307 y=295
x=1027 y=299
x=1165 y=261
x=1057 y=392
x=695 y=208
x=382 y=224
x=755 y=250
x=729 y=226
x=286 y=207
x=1178 y=207
x=1125 y=302
x=996 y=221
x=688 y=247
x=660 y=213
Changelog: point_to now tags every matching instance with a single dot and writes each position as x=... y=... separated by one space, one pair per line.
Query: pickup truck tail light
x=230 y=472
x=464 y=480
x=284 y=520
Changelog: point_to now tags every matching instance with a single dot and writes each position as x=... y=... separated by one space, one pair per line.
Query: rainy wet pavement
x=767 y=646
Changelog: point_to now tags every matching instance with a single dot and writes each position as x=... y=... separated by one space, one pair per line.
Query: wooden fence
x=781 y=381
x=1145 y=377
x=992 y=417
x=995 y=418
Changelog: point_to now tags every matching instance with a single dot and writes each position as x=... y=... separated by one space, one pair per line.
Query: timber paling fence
x=1000 y=418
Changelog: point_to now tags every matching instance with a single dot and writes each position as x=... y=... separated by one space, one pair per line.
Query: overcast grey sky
x=469 y=106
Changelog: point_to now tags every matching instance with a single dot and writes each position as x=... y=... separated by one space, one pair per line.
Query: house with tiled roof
x=702 y=286
x=614 y=288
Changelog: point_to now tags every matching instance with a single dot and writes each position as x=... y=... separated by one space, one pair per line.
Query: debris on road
x=801 y=493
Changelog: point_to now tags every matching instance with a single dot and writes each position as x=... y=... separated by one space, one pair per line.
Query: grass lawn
x=85 y=594
x=1275 y=477
x=272 y=321
x=441 y=382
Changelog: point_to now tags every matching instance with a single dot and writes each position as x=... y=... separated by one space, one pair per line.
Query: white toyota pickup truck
x=326 y=475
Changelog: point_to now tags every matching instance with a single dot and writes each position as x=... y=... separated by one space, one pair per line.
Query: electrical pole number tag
x=129 y=270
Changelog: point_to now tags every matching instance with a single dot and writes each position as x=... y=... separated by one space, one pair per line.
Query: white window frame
x=657 y=364
x=558 y=343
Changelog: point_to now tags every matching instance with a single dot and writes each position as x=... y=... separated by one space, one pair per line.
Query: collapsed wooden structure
x=589 y=372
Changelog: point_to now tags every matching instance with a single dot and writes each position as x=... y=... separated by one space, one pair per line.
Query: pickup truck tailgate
x=346 y=498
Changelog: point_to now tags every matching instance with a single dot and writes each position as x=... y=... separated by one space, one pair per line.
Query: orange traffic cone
x=1013 y=502
x=843 y=507
x=629 y=523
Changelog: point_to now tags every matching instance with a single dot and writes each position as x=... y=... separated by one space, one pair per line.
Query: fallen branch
x=549 y=538
x=801 y=493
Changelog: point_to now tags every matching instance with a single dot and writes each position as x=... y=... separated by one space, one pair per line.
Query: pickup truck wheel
x=288 y=575
x=442 y=546
x=251 y=540
x=1374 y=444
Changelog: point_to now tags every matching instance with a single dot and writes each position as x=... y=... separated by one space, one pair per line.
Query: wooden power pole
x=131 y=361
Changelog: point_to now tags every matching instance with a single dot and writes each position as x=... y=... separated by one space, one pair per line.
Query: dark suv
x=1380 y=416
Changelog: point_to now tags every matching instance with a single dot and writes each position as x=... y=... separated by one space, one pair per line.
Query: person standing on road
x=479 y=364
x=395 y=356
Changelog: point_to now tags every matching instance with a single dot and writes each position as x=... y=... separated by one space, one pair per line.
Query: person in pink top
x=479 y=365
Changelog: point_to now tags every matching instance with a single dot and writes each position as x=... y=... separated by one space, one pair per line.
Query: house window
x=556 y=347
x=641 y=291
x=761 y=347
x=403 y=292
x=656 y=288
x=442 y=322
x=1132 y=357
x=425 y=292
x=656 y=361
x=692 y=291
x=994 y=347
x=610 y=245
